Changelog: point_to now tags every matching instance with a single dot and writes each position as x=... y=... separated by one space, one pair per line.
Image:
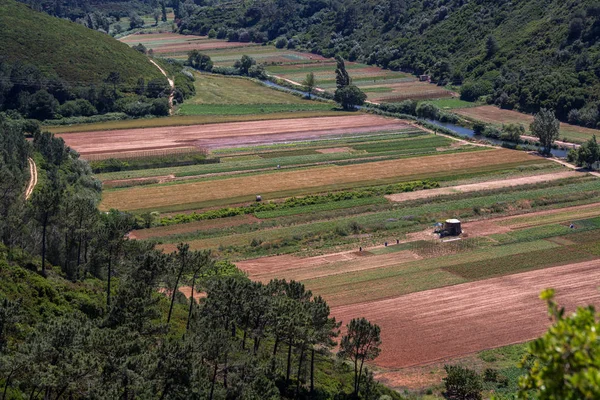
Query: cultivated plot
x=227 y=134
x=319 y=179
x=166 y=44
x=423 y=327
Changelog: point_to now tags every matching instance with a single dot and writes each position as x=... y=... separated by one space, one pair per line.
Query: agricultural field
x=326 y=178
x=379 y=84
x=176 y=45
x=498 y=116
x=220 y=95
x=348 y=203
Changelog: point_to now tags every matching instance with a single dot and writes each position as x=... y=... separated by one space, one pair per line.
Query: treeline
x=26 y=92
x=523 y=55
x=87 y=313
x=97 y=15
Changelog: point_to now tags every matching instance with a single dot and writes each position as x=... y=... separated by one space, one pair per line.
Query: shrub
x=478 y=128
x=462 y=383
x=212 y=34
x=281 y=43
x=349 y=97
x=427 y=110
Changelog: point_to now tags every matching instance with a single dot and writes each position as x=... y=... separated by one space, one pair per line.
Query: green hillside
x=72 y=52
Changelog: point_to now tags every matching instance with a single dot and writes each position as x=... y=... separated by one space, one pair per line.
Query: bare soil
x=335 y=150
x=234 y=134
x=290 y=267
x=425 y=327
x=476 y=187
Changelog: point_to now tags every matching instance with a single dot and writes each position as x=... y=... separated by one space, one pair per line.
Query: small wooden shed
x=452 y=227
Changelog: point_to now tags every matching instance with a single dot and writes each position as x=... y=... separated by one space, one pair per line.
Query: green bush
x=462 y=383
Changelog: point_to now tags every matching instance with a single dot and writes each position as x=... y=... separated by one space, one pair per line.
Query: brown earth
x=299 y=269
x=203 y=45
x=162 y=231
x=424 y=327
x=335 y=150
x=149 y=197
x=476 y=187
x=226 y=134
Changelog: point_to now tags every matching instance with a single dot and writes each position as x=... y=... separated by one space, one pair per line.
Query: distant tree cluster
x=26 y=92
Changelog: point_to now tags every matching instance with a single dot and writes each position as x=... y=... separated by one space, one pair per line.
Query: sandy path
x=171 y=83
x=227 y=134
x=475 y=187
x=33 y=178
x=423 y=327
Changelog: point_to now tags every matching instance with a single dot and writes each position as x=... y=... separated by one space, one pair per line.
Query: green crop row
x=299 y=202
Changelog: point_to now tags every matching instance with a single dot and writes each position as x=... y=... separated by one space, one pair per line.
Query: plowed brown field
x=226 y=134
x=325 y=178
x=423 y=327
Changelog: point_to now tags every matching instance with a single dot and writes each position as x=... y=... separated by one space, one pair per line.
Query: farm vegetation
x=82 y=314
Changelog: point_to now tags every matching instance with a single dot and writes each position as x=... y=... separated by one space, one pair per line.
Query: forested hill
x=526 y=54
x=66 y=50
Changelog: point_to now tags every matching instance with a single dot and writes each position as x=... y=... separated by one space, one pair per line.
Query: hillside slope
x=524 y=54
x=70 y=51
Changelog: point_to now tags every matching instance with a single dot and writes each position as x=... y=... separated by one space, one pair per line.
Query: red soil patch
x=475 y=187
x=335 y=150
x=226 y=134
x=290 y=267
x=425 y=327
x=199 y=45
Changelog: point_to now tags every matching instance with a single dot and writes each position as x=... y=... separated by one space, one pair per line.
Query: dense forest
x=87 y=313
x=522 y=55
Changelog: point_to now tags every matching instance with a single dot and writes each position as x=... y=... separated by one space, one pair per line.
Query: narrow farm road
x=171 y=83
x=33 y=178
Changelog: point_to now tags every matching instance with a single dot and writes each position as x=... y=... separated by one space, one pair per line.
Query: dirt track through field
x=148 y=197
x=227 y=134
x=424 y=327
x=489 y=185
x=171 y=84
x=33 y=178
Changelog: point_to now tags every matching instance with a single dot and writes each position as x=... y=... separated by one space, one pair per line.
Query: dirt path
x=424 y=327
x=475 y=187
x=33 y=178
x=171 y=83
